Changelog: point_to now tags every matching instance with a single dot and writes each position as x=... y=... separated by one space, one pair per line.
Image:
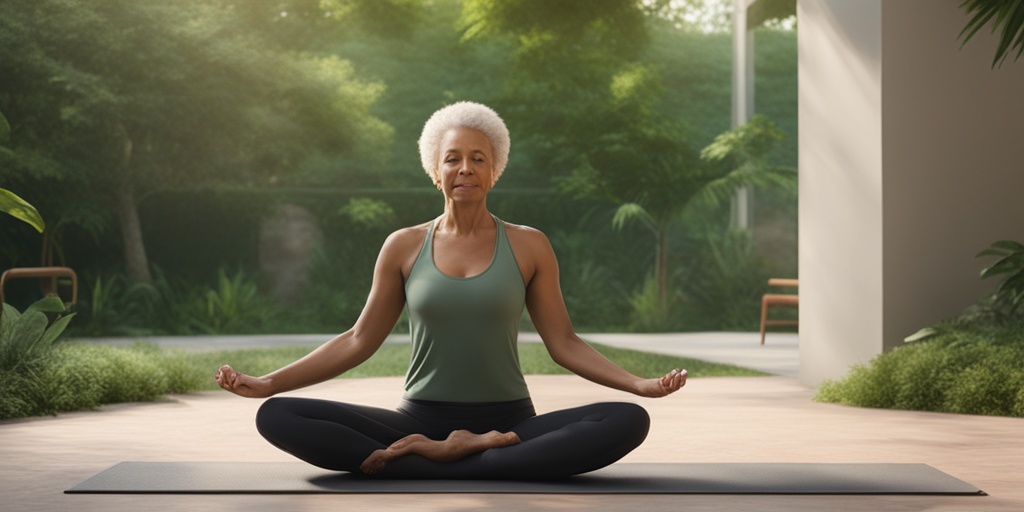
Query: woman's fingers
x=674 y=380
x=227 y=377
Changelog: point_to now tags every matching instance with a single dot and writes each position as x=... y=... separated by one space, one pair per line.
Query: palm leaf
x=1005 y=16
x=628 y=212
x=721 y=190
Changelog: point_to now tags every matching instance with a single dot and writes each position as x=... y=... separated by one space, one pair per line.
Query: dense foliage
x=967 y=367
x=199 y=118
x=971 y=364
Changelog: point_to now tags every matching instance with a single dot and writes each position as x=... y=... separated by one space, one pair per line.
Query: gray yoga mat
x=623 y=478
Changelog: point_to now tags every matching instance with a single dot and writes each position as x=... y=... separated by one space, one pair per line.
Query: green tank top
x=465 y=330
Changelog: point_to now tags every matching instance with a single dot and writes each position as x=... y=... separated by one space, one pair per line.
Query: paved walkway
x=754 y=419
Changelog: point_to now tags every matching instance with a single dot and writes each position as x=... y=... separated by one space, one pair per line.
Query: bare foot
x=459 y=445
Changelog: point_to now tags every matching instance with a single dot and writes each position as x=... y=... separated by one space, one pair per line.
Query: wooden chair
x=778 y=300
x=47 y=273
x=44 y=273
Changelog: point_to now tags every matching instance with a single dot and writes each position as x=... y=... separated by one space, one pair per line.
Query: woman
x=465 y=278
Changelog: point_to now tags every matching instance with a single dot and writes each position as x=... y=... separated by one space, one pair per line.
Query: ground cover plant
x=971 y=364
x=78 y=376
x=961 y=368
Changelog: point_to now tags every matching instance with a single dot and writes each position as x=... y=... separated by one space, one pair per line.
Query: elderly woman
x=465 y=277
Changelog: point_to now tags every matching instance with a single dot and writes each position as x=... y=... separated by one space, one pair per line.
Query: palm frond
x=1005 y=16
x=629 y=212
x=721 y=190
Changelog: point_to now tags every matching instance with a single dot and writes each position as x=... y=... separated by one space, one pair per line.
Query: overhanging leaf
x=19 y=208
x=5 y=129
x=629 y=212
x=1005 y=16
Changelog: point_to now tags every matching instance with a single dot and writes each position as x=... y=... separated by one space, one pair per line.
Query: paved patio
x=761 y=419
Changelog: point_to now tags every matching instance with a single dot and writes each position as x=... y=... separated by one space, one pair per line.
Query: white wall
x=911 y=161
x=953 y=162
x=840 y=155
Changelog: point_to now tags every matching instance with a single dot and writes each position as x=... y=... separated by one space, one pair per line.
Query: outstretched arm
x=549 y=315
x=345 y=351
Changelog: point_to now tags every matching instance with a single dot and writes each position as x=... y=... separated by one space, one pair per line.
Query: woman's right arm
x=349 y=349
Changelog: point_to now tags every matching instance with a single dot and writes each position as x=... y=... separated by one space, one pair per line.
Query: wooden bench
x=788 y=300
x=52 y=273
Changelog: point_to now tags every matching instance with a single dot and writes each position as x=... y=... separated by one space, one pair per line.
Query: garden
x=232 y=167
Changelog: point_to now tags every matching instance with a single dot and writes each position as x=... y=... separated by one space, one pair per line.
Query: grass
x=393 y=359
x=81 y=376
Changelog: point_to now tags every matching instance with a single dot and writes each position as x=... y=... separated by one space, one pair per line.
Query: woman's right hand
x=242 y=384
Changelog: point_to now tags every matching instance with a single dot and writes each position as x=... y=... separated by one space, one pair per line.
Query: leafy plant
x=29 y=335
x=18 y=208
x=234 y=307
x=1007 y=16
x=966 y=368
x=723 y=281
x=369 y=213
x=1008 y=298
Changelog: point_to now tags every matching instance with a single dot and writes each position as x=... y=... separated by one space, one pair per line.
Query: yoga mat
x=622 y=478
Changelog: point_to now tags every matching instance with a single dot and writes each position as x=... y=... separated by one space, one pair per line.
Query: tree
x=655 y=179
x=117 y=100
x=564 y=60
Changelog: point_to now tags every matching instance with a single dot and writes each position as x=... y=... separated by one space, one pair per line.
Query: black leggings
x=340 y=436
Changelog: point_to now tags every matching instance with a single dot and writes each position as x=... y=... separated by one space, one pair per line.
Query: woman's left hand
x=656 y=388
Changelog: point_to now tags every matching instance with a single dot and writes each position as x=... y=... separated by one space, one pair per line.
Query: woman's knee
x=270 y=416
x=626 y=412
x=634 y=418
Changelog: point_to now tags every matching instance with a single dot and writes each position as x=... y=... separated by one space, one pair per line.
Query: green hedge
x=962 y=369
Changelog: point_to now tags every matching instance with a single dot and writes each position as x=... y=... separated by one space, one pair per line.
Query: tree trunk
x=137 y=264
x=661 y=270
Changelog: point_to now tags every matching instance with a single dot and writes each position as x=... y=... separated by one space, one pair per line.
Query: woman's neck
x=465 y=219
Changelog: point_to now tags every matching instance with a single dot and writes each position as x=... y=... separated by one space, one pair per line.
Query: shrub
x=19 y=394
x=991 y=387
x=947 y=373
x=235 y=306
x=723 y=282
x=648 y=315
x=102 y=374
x=80 y=376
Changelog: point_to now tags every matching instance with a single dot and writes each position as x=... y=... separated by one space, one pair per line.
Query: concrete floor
x=760 y=419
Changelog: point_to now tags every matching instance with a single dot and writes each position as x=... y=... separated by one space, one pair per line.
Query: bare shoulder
x=412 y=235
x=402 y=246
x=531 y=247
x=526 y=237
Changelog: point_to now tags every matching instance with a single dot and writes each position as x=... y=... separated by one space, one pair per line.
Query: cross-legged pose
x=465 y=278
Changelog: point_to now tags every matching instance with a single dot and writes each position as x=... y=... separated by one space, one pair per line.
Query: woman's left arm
x=547 y=311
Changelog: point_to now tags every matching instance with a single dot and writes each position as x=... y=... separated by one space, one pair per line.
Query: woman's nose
x=466 y=167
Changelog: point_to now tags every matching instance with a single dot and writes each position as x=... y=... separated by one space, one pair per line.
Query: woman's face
x=466 y=169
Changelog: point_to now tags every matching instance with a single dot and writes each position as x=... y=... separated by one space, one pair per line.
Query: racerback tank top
x=465 y=330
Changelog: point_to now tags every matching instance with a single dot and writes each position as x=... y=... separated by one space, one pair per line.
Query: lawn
x=80 y=376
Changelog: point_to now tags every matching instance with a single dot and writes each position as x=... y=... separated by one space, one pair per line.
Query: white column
x=839 y=44
x=742 y=97
x=910 y=163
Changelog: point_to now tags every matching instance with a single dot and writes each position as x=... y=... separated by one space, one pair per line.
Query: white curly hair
x=464 y=114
